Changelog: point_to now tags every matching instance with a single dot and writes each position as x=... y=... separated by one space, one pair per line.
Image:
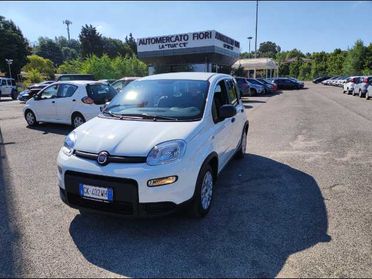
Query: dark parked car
x=243 y=86
x=32 y=90
x=271 y=87
x=320 y=79
x=286 y=83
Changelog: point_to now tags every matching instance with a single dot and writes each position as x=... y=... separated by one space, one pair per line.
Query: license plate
x=96 y=193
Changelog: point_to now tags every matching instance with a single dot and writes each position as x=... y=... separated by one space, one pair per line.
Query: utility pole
x=249 y=39
x=9 y=62
x=67 y=22
x=255 y=38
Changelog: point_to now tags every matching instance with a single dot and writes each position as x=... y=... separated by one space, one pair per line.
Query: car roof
x=129 y=78
x=80 y=82
x=184 y=75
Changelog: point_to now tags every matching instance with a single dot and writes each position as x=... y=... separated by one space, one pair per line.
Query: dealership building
x=206 y=51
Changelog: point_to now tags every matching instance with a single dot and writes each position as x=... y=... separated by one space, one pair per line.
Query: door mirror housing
x=104 y=106
x=227 y=111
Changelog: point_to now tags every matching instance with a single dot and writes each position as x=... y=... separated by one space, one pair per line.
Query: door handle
x=53 y=102
x=242 y=110
x=233 y=120
x=73 y=100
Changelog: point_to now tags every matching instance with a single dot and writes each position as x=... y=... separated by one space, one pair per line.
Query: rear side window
x=13 y=82
x=231 y=92
x=9 y=82
x=66 y=90
x=3 y=82
x=101 y=93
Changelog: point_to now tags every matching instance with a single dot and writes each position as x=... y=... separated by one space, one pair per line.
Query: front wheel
x=203 y=192
x=30 y=118
x=367 y=96
x=14 y=95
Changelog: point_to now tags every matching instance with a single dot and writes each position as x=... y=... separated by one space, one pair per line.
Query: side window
x=219 y=99
x=3 y=82
x=13 y=82
x=9 y=82
x=66 y=90
x=49 y=92
x=118 y=85
x=231 y=92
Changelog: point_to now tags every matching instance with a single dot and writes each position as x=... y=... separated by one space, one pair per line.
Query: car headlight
x=69 y=144
x=166 y=152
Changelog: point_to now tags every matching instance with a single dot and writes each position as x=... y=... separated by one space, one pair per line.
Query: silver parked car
x=361 y=88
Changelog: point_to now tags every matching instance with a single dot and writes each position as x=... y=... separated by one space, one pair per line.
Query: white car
x=68 y=102
x=369 y=90
x=8 y=88
x=159 y=144
x=350 y=83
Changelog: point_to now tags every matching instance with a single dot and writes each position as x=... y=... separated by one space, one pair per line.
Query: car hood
x=130 y=138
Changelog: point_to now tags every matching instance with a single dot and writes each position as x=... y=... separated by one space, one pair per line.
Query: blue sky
x=308 y=26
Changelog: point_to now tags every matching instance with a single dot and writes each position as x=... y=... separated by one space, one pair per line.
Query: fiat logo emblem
x=102 y=158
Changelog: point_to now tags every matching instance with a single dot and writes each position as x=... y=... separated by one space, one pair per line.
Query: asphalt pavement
x=298 y=205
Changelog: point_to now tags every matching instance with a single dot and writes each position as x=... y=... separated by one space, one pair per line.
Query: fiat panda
x=158 y=145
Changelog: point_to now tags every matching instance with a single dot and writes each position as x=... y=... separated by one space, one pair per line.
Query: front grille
x=110 y=158
x=125 y=192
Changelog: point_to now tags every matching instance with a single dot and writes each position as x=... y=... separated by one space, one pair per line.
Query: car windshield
x=167 y=99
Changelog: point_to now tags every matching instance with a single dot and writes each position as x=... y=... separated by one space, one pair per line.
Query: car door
x=5 y=89
x=238 y=121
x=222 y=129
x=65 y=102
x=44 y=105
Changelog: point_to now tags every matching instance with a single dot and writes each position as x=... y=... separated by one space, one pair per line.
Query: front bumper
x=132 y=196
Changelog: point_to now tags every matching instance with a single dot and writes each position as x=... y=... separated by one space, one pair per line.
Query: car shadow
x=51 y=128
x=11 y=258
x=263 y=211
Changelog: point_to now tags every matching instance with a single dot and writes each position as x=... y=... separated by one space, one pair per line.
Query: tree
x=368 y=61
x=43 y=65
x=319 y=61
x=91 y=41
x=131 y=42
x=354 y=62
x=13 y=46
x=115 y=47
x=48 y=48
x=268 y=49
x=305 y=71
x=335 y=62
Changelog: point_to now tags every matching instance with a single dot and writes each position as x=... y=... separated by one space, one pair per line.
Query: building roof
x=256 y=63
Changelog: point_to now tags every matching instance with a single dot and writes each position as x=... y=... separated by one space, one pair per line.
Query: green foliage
x=131 y=42
x=33 y=76
x=335 y=62
x=115 y=47
x=354 y=62
x=105 y=67
x=368 y=61
x=12 y=46
x=319 y=64
x=268 y=49
x=40 y=65
x=305 y=71
x=91 y=41
x=294 y=67
x=70 y=67
x=49 y=49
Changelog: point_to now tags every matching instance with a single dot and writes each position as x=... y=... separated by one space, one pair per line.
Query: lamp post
x=9 y=62
x=255 y=38
x=67 y=22
x=249 y=51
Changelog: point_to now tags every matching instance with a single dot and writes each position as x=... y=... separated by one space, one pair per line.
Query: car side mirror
x=104 y=106
x=227 y=111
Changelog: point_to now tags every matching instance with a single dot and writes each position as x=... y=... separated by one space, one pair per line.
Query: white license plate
x=96 y=193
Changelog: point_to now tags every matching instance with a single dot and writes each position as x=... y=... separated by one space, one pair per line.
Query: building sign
x=188 y=40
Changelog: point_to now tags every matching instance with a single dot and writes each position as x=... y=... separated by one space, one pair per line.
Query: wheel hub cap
x=207 y=190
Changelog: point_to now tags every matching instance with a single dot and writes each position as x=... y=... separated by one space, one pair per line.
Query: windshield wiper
x=147 y=116
x=110 y=113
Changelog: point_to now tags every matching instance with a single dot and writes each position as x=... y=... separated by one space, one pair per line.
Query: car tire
x=367 y=96
x=14 y=95
x=243 y=145
x=203 y=195
x=253 y=92
x=31 y=118
x=77 y=119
